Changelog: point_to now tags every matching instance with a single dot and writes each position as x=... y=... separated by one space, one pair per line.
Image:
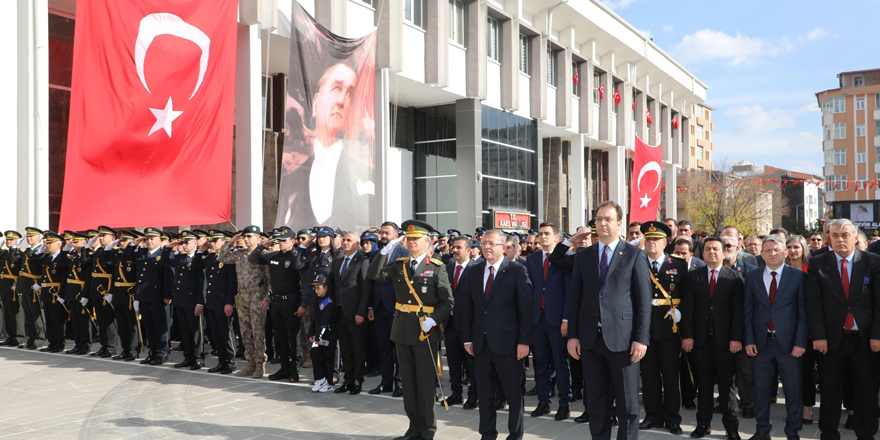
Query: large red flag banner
x=329 y=174
x=151 y=114
x=647 y=175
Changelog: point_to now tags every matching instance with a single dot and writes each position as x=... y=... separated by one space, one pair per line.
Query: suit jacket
x=742 y=267
x=746 y=258
x=696 y=263
x=554 y=290
x=382 y=290
x=825 y=249
x=505 y=317
x=458 y=291
x=352 y=288
x=623 y=301
x=725 y=308
x=827 y=304
x=787 y=310
x=561 y=257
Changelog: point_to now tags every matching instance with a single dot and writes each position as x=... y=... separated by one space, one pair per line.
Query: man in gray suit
x=741 y=254
x=609 y=315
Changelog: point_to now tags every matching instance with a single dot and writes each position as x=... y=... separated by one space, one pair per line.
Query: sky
x=763 y=63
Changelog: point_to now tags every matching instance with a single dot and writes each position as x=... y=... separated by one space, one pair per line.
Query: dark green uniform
x=13 y=316
x=416 y=358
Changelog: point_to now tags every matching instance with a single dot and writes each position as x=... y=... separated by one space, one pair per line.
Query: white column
x=617 y=186
x=576 y=171
x=9 y=116
x=670 y=172
x=248 y=129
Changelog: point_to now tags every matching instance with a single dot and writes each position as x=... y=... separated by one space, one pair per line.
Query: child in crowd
x=323 y=337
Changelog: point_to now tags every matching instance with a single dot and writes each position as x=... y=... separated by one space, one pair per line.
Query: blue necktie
x=344 y=266
x=603 y=265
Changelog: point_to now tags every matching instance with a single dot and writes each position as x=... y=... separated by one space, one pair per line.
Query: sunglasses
x=815 y=239
x=728 y=246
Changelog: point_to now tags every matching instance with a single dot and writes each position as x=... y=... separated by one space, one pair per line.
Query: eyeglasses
x=815 y=239
x=605 y=219
x=490 y=244
x=728 y=246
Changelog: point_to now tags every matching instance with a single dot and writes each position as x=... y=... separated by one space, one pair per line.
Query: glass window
x=859 y=81
x=699 y=131
x=414 y=12
x=827 y=132
x=551 y=66
x=596 y=89
x=840 y=130
x=829 y=157
x=876 y=154
x=860 y=103
x=861 y=156
x=524 y=54
x=839 y=104
x=575 y=79
x=839 y=156
x=861 y=130
x=827 y=106
x=876 y=128
x=700 y=153
x=492 y=42
x=456 y=21
x=877 y=101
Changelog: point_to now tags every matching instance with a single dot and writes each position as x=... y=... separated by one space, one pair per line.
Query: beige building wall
x=701 y=147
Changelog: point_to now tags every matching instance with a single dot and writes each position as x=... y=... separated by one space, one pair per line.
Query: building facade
x=488 y=112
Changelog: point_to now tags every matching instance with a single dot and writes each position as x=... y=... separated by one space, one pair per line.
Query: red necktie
x=712 y=285
x=489 y=281
x=772 y=298
x=455 y=277
x=546 y=269
x=844 y=277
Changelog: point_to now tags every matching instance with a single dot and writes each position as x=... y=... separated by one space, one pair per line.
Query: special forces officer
x=10 y=263
x=670 y=331
x=424 y=298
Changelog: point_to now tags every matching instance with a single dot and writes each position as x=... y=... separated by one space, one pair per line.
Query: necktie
x=603 y=265
x=546 y=264
x=772 y=298
x=712 y=284
x=455 y=277
x=344 y=266
x=412 y=266
x=844 y=277
x=489 y=281
x=654 y=267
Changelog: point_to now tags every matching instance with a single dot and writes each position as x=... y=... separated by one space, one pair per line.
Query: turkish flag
x=151 y=114
x=675 y=122
x=616 y=97
x=575 y=78
x=648 y=116
x=647 y=175
x=601 y=91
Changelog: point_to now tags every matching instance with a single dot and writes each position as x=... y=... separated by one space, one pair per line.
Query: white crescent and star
x=152 y=26
x=648 y=167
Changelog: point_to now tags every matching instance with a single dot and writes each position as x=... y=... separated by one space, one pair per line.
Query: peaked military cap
x=453 y=232
x=92 y=233
x=31 y=231
x=77 y=236
x=252 y=229
x=152 y=232
x=592 y=225
x=127 y=234
x=416 y=228
x=284 y=233
x=12 y=235
x=67 y=235
x=106 y=230
x=324 y=232
x=655 y=230
x=480 y=230
x=188 y=235
x=201 y=233
x=51 y=237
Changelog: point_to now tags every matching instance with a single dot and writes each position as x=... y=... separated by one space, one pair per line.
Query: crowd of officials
x=605 y=313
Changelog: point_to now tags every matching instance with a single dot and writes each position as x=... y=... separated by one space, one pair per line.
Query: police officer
x=30 y=272
x=78 y=276
x=10 y=263
x=152 y=295
x=186 y=297
x=284 y=276
x=221 y=285
x=122 y=291
x=50 y=286
x=424 y=299
x=670 y=332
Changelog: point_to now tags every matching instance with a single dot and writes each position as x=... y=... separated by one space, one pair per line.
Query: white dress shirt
x=322 y=179
x=486 y=271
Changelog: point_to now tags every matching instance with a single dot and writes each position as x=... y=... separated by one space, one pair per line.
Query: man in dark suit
x=380 y=312
x=684 y=248
x=776 y=335
x=671 y=331
x=456 y=356
x=609 y=316
x=551 y=288
x=842 y=296
x=351 y=288
x=497 y=331
x=745 y=383
x=718 y=335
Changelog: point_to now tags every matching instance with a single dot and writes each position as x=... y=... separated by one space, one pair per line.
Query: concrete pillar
x=509 y=64
x=437 y=44
x=475 y=42
x=685 y=134
x=585 y=107
x=389 y=22
x=617 y=187
x=248 y=128
x=9 y=120
x=538 y=82
x=676 y=138
x=563 y=88
x=553 y=178
x=654 y=127
x=670 y=176
x=666 y=132
x=469 y=161
x=576 y=169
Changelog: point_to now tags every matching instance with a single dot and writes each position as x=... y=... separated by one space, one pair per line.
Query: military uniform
x=660 y=368
x=124 y=282
x=252 y=290
x=31 y=271
x=152 y=289
x=221 y=285
x=52 y=284
x=103 y=262
x=186 y=294
x=416 y=357
x=13 y=315
x=78 y=276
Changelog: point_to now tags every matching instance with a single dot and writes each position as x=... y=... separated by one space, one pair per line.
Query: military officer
x=78 y=276
x=153 y=293
x=221 y=285
x=186 y=297
x=10 y=263
x=424 y=298
x=670 y=332
x=30 y=272
x=51 y=287
x=124 y=281
x=102 y=260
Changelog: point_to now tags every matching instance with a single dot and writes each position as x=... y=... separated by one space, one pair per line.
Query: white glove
x=91 y=242
x=38 y=249
x=18 y=243
x=84 y=301
x=36 y=287
x=428 y=324
x=61 y=300
x=677 y=315
x=110 y=297
x=391 y=245
x=110 y=246
x=68 y=247
x=137 y=306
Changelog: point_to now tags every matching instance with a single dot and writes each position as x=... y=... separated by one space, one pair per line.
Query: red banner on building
x=151 y=114
x=647 y=175
x=512 y=220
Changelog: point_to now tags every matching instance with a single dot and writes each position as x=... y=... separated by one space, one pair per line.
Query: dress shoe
x=31 y=346
x=346 y=387
x=454 y=399
x=748 y=413
x=118 y=357
x=156 y=362
x=849 y=422
x=355 y=389
x=614 y=421
x=184 y=364
x=807 y=421
x=282 y=374
x=128 y=357
x=229 y=368
x=398 y=392
x=99 y=352
x=8 y=342
x=148 y=360
x=760 y=436
x=294 y=376
x=701 y=431
x=380 y=389
x=541 y=409
x=403 y=437
x=195 y=366
x=793 y=437
x=74 y=350
x=650 y=425
x=583 y=418
x=54 y=350
x=500 y=404
x=562 y=413
x=45 y=349
x=217 y=369
x=689 y=405
x=470 y=404
x=105 y=354
x=674 y=429
x=373 y=373
x=577 y=395
x=533 y=391
x=733 y=435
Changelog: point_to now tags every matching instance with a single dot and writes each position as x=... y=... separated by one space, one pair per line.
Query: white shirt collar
x=778 y=271
x=848 y=258
x=497 y=265
x=709 y=271
x=419 y=259
x=612 y=245
x=659 y=261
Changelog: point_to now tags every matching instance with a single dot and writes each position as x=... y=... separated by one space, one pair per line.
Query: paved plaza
x=62 y=396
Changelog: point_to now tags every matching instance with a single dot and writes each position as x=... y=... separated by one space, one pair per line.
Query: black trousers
x=613 y=376
x=106 y=317
x=510 y=373
x=419 y=374
x=660 y=380
x=154 y=319
x=56 y=317
x=285 y=325
x=390 y=368
x=10 y=309
x=34 y=326
x=352 y=348
x=714 y=364
x=457 y=359
x=853 y=358
x=324 y=360
x=223 y=338
x=80 y=322
x=190 y=333
x=688 y=378
x=126 y=325
x=808 y=381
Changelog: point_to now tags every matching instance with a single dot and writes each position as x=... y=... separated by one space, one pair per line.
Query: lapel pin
x=620 y=253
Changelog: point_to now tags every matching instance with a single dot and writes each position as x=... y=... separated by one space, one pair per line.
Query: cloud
x=813 y=35
x=618 y=4
x=809 y=108
x=754 y=119
x=667 y=28
x=739 y=49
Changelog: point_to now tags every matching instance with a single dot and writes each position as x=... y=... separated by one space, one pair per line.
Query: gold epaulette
x=403 y=259
x=436 y=261
x=677 y=256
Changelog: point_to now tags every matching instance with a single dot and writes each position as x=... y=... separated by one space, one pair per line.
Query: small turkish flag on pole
x=634 y=104
x=675 y=122
x=601 y=91
x=648 y=115
x=645 y=186
x=616 y=97
x=575 y=78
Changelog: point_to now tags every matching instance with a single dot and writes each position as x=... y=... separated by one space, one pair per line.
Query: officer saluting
x=424 y=298
x=670 y=331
